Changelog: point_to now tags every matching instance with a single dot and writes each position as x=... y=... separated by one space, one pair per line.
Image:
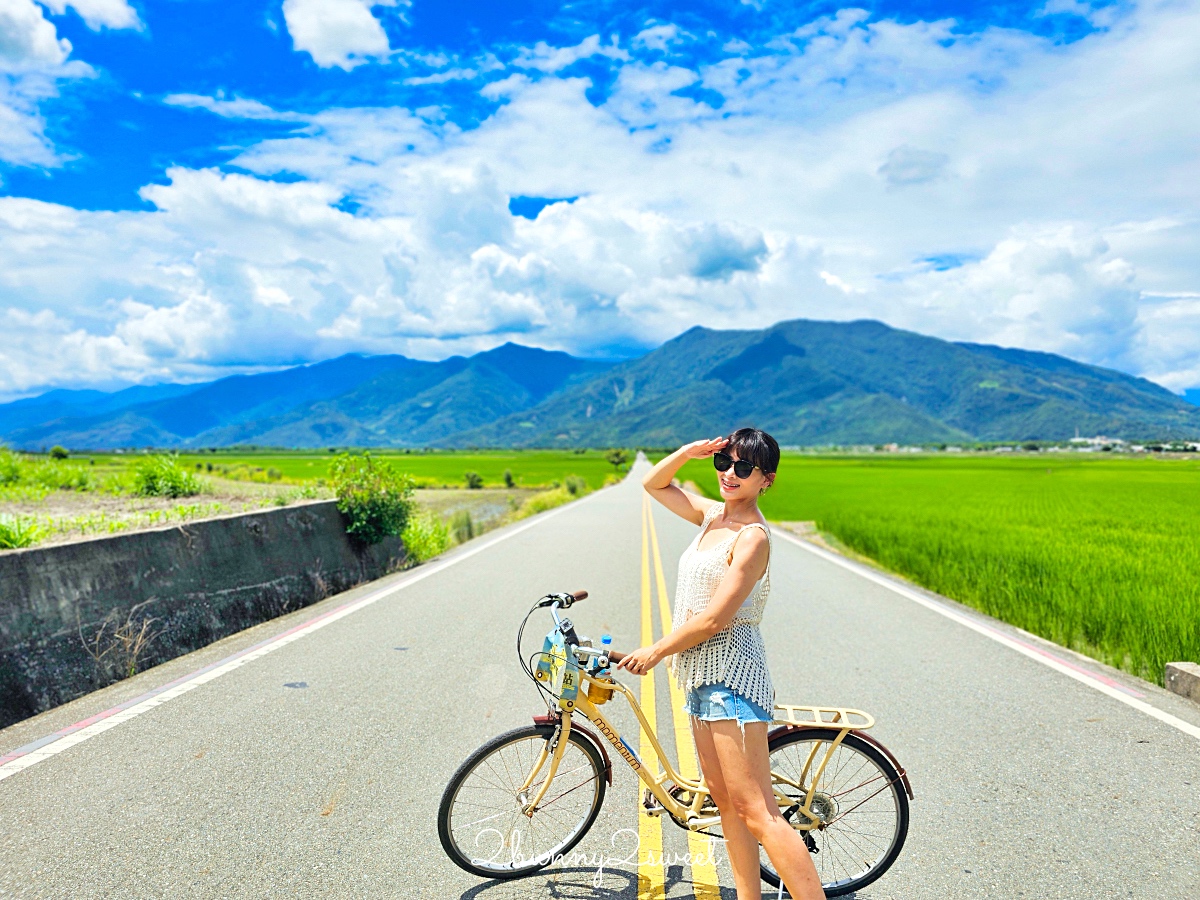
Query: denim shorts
x=714 y=702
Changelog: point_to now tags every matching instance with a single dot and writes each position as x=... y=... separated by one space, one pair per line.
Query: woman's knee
x=753 y=813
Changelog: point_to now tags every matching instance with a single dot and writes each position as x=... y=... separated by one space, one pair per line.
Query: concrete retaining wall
x=1184 y=679
x=76 y=617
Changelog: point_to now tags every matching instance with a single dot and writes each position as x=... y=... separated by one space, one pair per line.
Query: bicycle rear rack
x=822 y=717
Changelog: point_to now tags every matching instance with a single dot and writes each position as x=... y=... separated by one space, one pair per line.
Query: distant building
x=1099 y=442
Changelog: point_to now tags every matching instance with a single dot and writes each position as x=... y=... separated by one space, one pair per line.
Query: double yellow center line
x=651 y=868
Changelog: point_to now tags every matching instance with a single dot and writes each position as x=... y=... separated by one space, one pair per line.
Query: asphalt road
x=1028 y=783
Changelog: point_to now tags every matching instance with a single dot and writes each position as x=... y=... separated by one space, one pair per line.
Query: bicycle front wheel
x=482 y=823
x=859 y=798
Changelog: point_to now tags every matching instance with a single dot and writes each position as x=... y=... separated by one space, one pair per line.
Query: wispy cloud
x=236 y=108
x=551 y=59
x=98 y=14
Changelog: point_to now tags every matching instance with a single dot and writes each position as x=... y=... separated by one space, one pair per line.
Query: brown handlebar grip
x=579 y=595
x=615 y=656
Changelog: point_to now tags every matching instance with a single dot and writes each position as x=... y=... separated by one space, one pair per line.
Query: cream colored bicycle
x=525 y=798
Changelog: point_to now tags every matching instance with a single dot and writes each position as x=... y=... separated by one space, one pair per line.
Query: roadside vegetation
x=434 y=499
x=55 y=497
x=1101 y=555
x=377 y=500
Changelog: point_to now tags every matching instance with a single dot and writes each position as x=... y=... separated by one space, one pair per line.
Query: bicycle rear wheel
x=480 y=821
x=859 y=798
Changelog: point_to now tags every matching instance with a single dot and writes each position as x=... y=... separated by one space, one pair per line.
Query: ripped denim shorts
x=714 y=702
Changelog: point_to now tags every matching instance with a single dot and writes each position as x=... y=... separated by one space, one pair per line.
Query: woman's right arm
x=658 y=481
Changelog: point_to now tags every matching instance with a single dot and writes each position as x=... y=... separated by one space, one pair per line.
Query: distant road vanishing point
x=306 y=757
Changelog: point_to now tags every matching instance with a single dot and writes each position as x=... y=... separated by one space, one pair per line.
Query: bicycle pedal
x=651 y=804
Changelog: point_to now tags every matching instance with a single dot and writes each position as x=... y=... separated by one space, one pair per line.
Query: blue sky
x=120 y=135
x=189 y=189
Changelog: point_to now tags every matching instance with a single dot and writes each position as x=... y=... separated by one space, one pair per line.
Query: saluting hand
x=705 y=448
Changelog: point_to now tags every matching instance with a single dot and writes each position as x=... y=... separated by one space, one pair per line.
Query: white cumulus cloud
x=33 y=59
x=27 y=38
x=340 y=33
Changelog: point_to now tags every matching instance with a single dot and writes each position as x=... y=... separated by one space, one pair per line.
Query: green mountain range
x=807 y=382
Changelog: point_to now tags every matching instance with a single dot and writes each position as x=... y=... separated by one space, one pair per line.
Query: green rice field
x=1099 y=554
x=529 y=468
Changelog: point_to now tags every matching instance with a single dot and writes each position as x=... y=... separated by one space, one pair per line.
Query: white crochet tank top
x=734 y=655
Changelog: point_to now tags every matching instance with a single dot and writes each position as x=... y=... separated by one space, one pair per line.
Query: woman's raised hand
x=706 y=448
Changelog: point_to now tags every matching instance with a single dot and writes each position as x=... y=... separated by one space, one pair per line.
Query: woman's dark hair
x=757 y=446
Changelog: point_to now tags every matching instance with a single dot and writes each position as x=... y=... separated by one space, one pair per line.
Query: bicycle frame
x=692 y=815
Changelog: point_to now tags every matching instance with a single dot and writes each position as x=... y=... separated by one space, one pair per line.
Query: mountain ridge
x=809 y=382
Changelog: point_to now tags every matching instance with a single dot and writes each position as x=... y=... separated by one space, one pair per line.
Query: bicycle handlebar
x=564 y=600
x=615 y=656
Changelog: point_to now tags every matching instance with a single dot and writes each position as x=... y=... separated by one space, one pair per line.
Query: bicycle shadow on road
x=580 y=883
x=577 y=883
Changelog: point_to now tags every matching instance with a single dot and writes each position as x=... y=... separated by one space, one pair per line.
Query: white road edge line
x=941 y=609
x=43 y=749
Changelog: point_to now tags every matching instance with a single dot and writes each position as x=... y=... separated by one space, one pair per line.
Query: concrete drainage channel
x=78 y=617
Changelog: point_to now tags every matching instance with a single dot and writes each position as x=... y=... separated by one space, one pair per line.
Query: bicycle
x=526 y=798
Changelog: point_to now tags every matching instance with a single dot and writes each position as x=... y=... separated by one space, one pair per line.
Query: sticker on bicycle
x=554 y=667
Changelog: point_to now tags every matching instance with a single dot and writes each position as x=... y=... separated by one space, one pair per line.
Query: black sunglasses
x=741 y=467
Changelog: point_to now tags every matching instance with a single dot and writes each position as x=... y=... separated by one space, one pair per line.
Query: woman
x=718 y=649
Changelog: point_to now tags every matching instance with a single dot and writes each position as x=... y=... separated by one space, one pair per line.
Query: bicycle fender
x=903 y=773
x=588 y=734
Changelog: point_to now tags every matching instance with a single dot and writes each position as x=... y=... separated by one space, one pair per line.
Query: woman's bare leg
x=740 y=844
x=745 y=771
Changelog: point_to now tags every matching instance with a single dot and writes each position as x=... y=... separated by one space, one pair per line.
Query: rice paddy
x=1098 y=554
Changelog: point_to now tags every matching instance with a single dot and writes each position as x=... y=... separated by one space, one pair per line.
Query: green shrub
x=16 y=531
x=59 y=476
x=374 y=497
x=425 y=536
x=474 y=480
x=163 y=476
x=616 y=458
x=58 y=451
x=575 y=485
x=462 y=527
x=542 y=501
x=11 y=467
x=509 y=481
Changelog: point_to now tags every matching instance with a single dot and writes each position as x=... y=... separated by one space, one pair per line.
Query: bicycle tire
x=587 y=765
x=860 y=754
